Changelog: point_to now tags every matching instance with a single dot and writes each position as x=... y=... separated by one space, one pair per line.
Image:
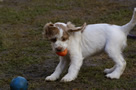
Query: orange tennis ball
x=63 y=53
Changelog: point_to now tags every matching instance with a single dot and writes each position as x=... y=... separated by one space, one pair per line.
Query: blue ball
x=19 y=83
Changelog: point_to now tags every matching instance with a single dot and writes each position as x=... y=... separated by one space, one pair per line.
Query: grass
x=23 y=52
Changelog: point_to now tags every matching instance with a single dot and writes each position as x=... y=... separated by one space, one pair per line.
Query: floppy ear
x=46 y=29
x=72 y=28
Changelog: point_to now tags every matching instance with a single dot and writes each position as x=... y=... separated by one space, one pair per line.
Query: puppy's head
x=59 y=34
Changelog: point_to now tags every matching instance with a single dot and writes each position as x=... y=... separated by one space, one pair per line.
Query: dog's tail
x=129 y=26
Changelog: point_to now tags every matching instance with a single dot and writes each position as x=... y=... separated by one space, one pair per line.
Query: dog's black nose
x=59 y=49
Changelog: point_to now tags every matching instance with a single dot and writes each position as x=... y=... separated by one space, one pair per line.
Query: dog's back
x=96 y=36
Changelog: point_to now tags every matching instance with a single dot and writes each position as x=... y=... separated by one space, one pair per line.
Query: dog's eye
x=64 y=39
x=54 y=39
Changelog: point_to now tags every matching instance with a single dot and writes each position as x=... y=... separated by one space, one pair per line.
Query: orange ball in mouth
x=63 y=53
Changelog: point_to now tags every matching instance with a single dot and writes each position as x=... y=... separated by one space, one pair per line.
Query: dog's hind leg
x=120 y=63
x=110 y=70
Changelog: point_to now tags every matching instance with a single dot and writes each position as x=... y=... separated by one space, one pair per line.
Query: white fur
x=59 y=42
x=94 y=39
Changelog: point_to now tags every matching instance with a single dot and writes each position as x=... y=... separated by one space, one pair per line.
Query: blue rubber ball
x=19 y=83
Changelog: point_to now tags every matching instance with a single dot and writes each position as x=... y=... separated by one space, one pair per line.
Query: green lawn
x=23 y=52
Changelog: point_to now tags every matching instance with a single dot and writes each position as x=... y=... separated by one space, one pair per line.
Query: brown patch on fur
x=65 y=36
x=50 y=30
x=83 y=27
x=61 y=26
x=72 y=27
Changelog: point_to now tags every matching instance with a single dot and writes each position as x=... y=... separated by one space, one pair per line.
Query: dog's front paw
x=50 y=78
x=67 y=79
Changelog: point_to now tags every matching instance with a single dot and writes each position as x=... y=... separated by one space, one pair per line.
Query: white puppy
x=82 y=42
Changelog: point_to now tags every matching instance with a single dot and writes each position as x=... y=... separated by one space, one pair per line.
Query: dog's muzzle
x=59 y=49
